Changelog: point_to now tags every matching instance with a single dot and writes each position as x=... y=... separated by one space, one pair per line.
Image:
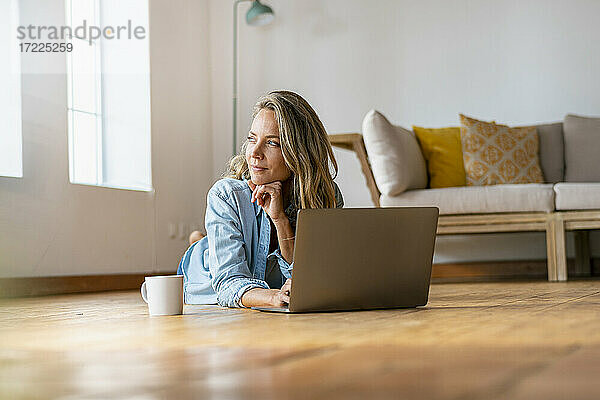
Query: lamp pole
x=235 y=60
x=259 y=14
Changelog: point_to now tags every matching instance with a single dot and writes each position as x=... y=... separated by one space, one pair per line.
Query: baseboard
x=48 y=285
x=454 y=272
x=500 y=270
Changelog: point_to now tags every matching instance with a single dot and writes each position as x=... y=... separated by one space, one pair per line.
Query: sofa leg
x=583 y=265
x=555 y=247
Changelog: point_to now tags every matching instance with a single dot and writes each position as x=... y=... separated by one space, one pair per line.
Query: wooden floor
x=524 y=340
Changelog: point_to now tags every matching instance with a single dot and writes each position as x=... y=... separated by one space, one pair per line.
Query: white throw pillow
x=395 y=155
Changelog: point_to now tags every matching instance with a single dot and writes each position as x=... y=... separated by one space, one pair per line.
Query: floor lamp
x=258 y=15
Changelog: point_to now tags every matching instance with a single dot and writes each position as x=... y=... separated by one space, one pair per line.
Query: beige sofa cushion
x=552 y=151
x=577 y=196
x=582 y=142
x=479 y=199
x=394 y=154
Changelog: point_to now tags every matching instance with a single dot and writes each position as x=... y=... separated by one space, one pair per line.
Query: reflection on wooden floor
x=510 y=340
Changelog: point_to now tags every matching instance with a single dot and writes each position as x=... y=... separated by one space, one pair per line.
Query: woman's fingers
x=285 y=299
x=285 y=292
x=256 y=196
x=279 y=299
x=260 y=197
x=254 y=193
x=268 y=196
x=287 y=287
x=261 y=193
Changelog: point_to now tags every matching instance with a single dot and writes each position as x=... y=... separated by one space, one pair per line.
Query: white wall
x=51 y=227
x=181 y=120
x=419 y=62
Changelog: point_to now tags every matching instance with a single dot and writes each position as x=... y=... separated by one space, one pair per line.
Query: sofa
x=568 y=200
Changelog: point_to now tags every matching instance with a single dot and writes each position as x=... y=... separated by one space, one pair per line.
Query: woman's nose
x=257 y=151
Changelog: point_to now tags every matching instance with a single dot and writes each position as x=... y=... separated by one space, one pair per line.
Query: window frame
x=100 y=106
x=16 y=170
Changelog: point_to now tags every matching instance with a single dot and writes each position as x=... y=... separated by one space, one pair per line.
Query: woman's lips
x=258 y=169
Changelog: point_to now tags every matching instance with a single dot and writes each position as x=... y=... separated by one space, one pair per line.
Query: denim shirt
x=233 y=257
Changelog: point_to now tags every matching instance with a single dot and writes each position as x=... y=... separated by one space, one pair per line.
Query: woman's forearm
x=258 y=297
x=285 y=236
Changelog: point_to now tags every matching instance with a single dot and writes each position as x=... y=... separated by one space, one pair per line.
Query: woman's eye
x=251 y=138
x=273 y=143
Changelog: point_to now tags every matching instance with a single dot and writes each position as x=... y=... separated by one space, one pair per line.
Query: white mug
x=164 y=294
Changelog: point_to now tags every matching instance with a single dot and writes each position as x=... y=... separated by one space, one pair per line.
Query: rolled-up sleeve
x=228 y=265
x=284 y=266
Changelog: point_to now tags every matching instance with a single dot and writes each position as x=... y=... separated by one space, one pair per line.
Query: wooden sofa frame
x=555 y=224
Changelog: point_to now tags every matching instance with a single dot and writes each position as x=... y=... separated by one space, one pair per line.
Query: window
x=11 y=141
x=109 y=94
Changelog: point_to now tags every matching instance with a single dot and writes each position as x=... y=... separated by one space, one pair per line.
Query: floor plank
x=523 y=340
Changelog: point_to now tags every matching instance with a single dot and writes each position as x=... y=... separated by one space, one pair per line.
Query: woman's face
x=263 y=153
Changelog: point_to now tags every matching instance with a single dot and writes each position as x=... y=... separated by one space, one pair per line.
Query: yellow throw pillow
x=496 y=154
x=441 y=148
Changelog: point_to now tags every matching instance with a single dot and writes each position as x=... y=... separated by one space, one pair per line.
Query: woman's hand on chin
x=270 y=197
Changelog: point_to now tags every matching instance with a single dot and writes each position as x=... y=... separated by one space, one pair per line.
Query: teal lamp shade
x=259 y=14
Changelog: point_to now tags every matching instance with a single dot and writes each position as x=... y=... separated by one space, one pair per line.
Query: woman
x=251 y=214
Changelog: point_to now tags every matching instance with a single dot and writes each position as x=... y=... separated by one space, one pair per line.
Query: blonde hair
x=305 y=147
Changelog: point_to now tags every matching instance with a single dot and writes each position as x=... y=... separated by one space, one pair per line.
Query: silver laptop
x=361 y=258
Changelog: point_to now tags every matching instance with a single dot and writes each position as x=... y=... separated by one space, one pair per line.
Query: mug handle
x=144 y=292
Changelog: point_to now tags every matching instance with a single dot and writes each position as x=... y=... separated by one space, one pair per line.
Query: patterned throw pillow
x=495 y=154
